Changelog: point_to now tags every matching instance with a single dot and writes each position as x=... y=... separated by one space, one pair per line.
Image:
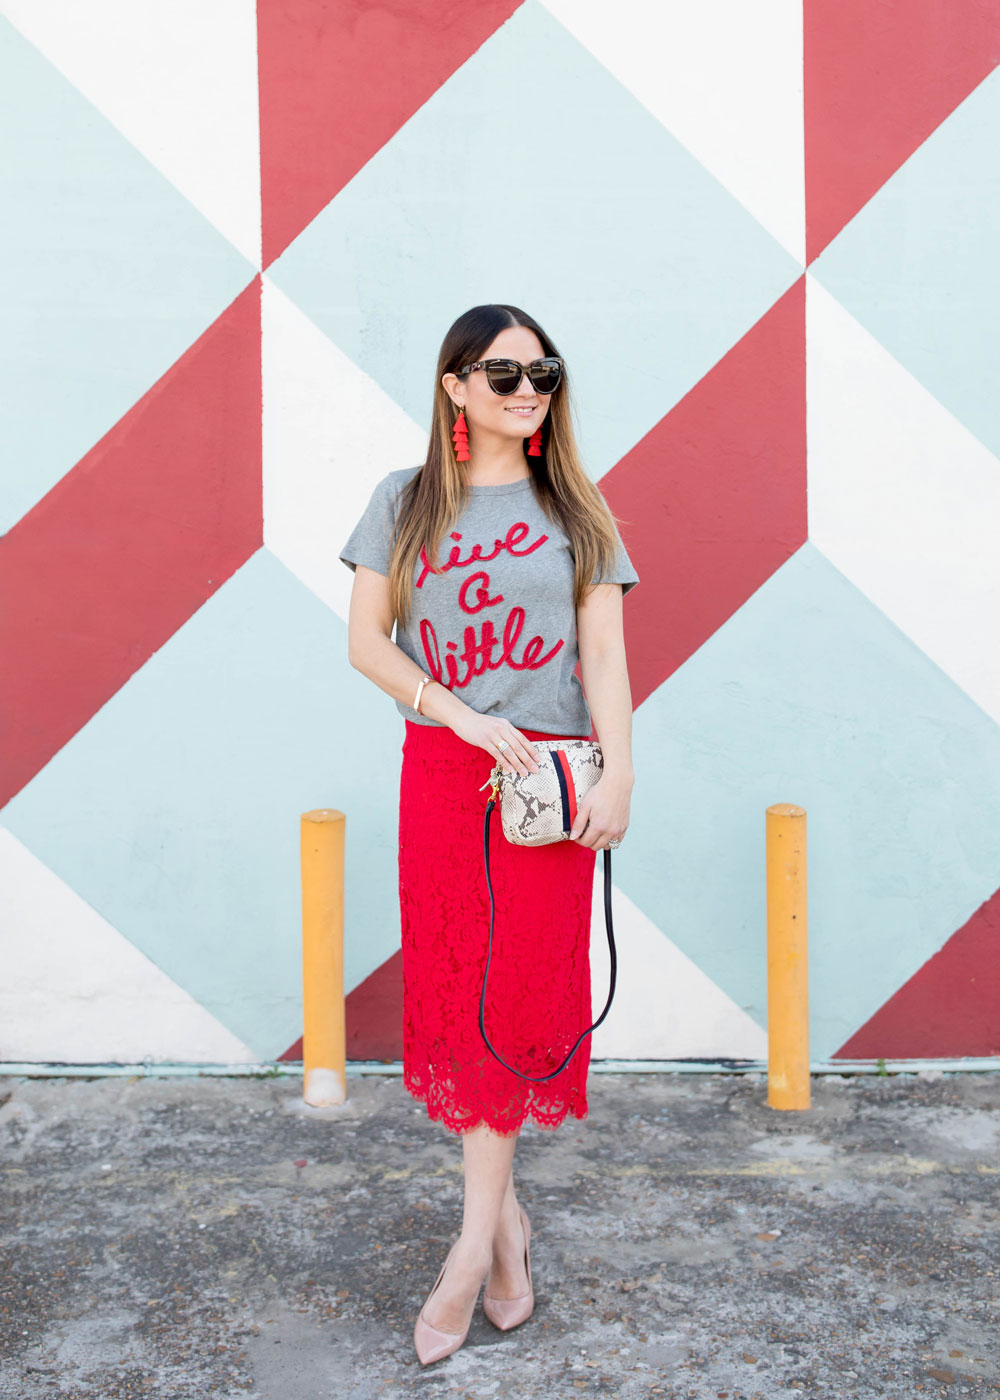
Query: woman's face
x=515 y=415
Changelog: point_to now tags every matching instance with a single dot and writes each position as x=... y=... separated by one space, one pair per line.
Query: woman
x=500 y=565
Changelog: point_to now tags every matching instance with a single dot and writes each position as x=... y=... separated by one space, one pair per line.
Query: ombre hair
x=437 y=493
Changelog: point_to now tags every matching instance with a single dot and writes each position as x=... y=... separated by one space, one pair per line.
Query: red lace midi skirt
x=538 y=993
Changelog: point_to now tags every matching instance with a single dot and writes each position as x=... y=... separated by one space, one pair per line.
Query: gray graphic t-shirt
x=498 y=626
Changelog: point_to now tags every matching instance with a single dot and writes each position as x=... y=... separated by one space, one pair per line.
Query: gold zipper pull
x=494 y=778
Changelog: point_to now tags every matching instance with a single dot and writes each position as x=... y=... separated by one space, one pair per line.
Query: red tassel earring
x=535 y=443
x=460 y=437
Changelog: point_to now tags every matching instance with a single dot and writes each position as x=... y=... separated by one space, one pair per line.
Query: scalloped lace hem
x=546 y=1117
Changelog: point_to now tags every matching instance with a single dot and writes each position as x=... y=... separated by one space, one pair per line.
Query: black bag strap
x=540 y=1078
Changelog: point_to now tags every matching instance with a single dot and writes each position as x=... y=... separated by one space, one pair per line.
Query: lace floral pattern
x=538 y=995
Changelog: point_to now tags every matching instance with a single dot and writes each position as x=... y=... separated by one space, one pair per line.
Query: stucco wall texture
x=763 y=236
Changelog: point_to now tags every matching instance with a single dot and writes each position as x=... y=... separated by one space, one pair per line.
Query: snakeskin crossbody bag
x=535 y=810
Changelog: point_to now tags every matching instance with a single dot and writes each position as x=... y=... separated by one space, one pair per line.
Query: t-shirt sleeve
x=370 y=542
x=622 y=572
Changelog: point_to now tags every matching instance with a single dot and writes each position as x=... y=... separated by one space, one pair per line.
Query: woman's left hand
x=604 y=813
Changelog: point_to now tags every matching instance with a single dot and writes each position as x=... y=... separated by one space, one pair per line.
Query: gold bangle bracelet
x=416 y=703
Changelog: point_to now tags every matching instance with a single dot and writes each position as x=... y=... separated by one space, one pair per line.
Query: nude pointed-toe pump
x=506 y=1313
x=432 y=1344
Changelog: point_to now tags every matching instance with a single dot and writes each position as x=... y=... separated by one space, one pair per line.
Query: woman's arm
x=604 y=671
x=371 y=650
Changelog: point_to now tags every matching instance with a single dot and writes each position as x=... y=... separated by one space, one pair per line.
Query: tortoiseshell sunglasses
x=504 y=376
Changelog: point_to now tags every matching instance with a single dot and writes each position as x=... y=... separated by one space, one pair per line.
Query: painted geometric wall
x=764 y=237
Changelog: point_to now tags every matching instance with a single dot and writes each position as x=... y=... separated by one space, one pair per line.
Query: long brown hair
x=436 y=495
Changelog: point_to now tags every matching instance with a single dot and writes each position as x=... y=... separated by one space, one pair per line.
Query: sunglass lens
x=504 y=376
x=545 y=375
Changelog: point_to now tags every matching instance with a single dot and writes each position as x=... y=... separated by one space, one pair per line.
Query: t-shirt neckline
x=505 y=486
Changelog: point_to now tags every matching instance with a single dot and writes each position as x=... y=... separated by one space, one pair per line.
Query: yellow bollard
x=787 y=958
x=324 y=1044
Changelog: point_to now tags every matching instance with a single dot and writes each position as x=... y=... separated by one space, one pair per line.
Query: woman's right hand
x=485 y=730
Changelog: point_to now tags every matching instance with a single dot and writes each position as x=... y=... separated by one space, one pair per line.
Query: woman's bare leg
x=488 y=1157
x=508 y=1278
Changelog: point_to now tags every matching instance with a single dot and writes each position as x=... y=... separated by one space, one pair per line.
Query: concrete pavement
x=213 y=1238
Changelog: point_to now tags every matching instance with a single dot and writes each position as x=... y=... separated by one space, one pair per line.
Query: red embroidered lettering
x=478 y=655
x=484 y=651
x=483 y=599
x=514 y=536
